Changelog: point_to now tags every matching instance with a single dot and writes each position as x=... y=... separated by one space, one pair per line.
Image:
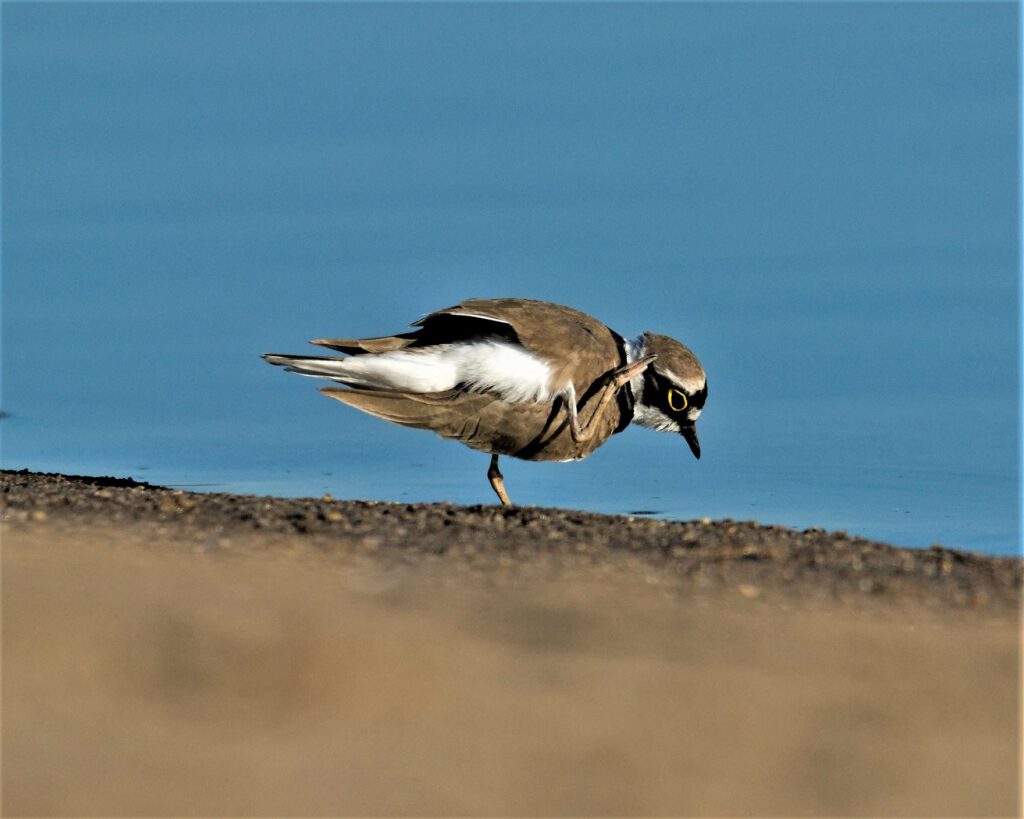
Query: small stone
x=748 y=591
x=333 y=516
x=327 y=497
x=38 y=514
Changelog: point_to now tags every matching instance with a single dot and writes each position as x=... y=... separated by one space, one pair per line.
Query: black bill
x=690 y=434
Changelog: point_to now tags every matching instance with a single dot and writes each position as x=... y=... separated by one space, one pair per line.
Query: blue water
x=820 y=199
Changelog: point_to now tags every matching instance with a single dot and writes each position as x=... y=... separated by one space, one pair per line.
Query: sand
x=168 y=653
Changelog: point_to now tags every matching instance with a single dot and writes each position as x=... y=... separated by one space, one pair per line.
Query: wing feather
x=480 y=420
x=578 y=346
x=537 y=431
x=358 y=346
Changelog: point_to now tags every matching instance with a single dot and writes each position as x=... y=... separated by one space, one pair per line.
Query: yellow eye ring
x=673 y=396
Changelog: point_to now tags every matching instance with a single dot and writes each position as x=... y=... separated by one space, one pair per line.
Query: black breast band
x=625 y=395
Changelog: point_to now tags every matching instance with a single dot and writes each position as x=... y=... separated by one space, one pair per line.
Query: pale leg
x=616 y=380
x=498 y=481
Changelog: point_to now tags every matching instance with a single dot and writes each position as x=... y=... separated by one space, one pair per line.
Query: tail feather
x=357 y=346
x=316 y=366
x=397 y=370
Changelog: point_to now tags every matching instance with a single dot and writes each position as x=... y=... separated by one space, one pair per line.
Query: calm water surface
x=821 y=200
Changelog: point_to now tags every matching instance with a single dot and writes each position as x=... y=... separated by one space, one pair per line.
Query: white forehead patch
x=691 y=385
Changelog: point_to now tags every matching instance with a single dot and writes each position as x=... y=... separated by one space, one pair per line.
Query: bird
x=518 y=377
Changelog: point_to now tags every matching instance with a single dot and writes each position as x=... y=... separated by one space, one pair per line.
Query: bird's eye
x=676 y=400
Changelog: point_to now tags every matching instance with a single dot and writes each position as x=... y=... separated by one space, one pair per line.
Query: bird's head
x=671 y=391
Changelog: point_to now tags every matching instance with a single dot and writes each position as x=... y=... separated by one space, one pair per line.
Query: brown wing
x=483 y=421
x=572 y=342
x=358 y=346
x=442 y=327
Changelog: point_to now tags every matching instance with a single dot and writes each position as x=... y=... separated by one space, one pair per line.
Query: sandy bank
x=176 y=654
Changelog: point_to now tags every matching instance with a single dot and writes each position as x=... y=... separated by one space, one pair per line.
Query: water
x=820 y=199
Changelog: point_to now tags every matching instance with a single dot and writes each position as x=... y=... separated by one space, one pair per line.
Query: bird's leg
x=498 y=481
x=617 y=379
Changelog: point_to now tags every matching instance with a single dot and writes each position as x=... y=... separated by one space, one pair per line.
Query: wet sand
x=168 y=653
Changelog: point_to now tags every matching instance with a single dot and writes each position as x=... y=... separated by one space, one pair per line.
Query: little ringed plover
x=517 y=377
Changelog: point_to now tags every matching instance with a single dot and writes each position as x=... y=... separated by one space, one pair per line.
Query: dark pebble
x=769 y=558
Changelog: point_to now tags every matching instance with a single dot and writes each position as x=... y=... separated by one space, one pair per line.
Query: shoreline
x=173 y=653
x=754 y=559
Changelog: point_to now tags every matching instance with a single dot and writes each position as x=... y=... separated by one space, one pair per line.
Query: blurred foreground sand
x=140 y=681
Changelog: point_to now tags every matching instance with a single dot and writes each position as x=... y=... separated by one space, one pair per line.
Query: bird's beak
x=690 y=434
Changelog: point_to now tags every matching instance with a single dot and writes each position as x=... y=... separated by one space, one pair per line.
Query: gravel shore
x=754 y=559
x=167 y=653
